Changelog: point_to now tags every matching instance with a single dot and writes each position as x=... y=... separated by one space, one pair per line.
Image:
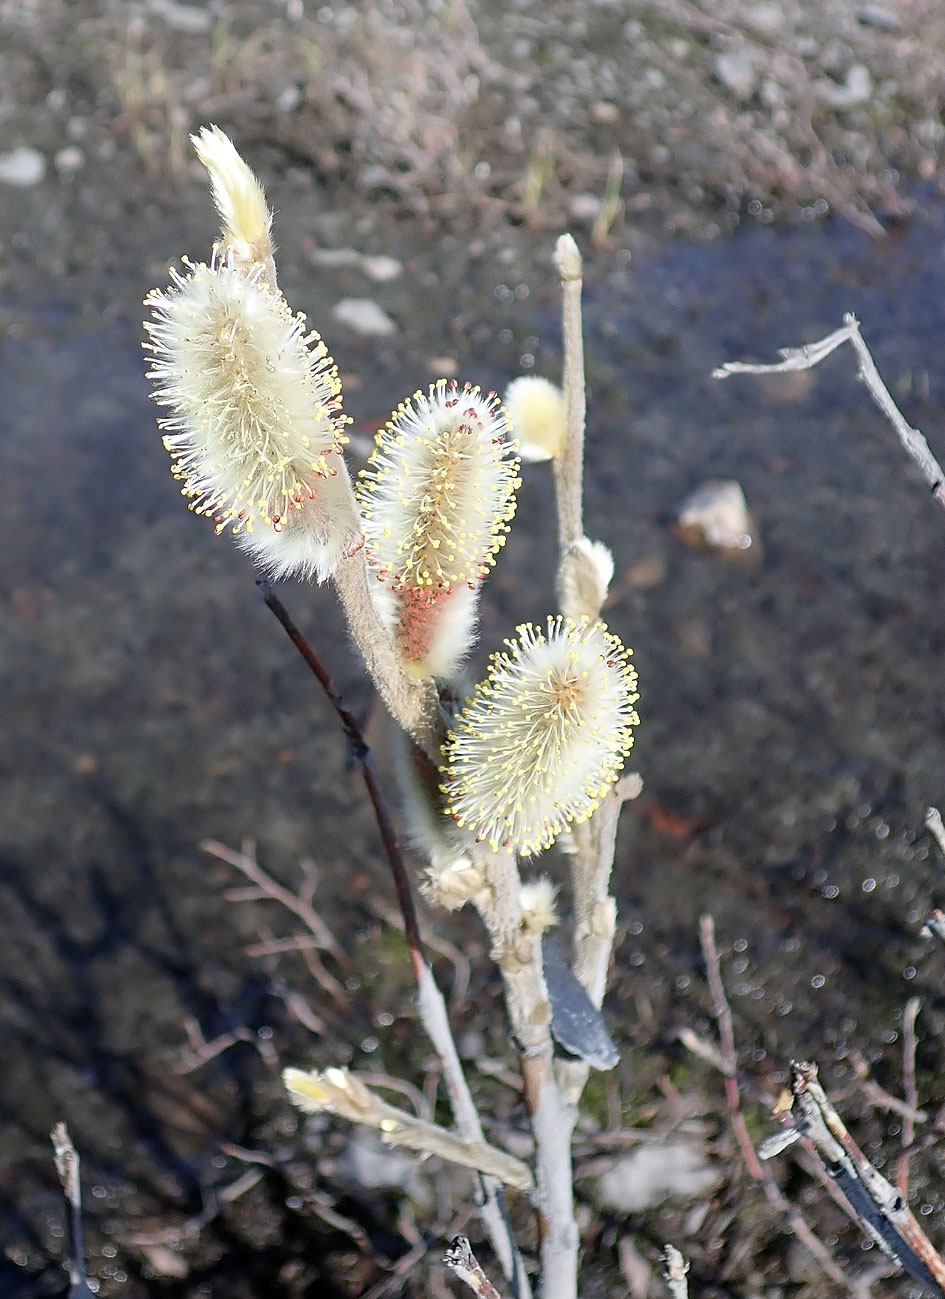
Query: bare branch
x=67 y=1169
x=811 y=354
x=430 y=1003
x=873 y=1201
x=729 y=1062
x=518 y=954
x=569 y=462
x=909 y=1044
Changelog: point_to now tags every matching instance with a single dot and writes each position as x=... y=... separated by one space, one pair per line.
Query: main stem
x=517 y=953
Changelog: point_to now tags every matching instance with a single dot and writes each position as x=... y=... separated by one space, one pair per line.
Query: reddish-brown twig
x=723 y=1017
x=429 y=1000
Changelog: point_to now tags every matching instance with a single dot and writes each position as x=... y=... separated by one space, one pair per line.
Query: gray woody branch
x=806 y=357
x=878 y=1206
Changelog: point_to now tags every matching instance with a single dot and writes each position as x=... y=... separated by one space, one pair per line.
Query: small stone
x=604 y=111
x=381 y=268
x=443 y=367
x=654 y=1174
x=69 y=159
x=585 y=207
x=737 y=72
x=22 y=167
x=164 y=1261
x=876 y=16
x=333 y=257
x=364 y=316
x=715 y=517
x=181 y=18
x=856 y=89
x=766 y=18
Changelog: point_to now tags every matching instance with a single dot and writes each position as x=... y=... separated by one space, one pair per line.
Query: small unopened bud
x=535 y=407
x=584 y=577
x=537 y=900
x=568 y=258
x=244 y=215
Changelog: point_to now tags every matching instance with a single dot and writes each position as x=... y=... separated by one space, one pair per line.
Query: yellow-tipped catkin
x=255 y=431
x=535 y=408
x=244 y=215
x=543 y=737
x=436 y=498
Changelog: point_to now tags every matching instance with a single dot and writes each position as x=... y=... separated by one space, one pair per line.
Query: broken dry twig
x=675 y=1269
x=336 y=1091
x=873 y=1201
x=460 y=1259
x=811 y=354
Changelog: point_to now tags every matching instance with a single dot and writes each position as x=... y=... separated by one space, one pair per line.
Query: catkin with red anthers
x=436 y=498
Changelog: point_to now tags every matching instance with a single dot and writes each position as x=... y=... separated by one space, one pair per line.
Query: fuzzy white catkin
x=255 y=431
x=544 y=736
x=436 y=498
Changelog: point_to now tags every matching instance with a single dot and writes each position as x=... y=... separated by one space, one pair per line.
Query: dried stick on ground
x=873 y=1201
x=460 y=1259
x=811 y=354
x=430 y=1003
x=67 y=1167
x=723 y=1017
x=675 y=1270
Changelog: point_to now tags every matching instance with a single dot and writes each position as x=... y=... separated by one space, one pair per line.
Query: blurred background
x=738 y=175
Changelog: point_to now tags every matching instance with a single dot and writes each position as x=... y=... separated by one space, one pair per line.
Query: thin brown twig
x=432 y=1007
x=881 y=1099
x=723 y=1017
x=269 y=889
x=772 y=1191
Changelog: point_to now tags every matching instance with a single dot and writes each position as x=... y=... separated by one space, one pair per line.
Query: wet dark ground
x=792 y=736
